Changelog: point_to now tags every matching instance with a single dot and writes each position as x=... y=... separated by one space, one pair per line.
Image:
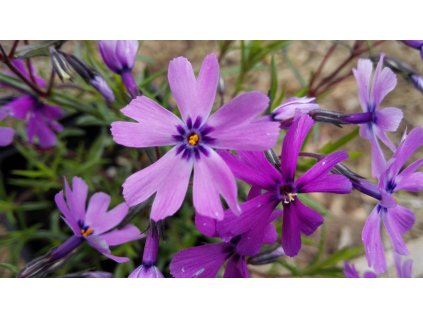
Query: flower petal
x=68 y=216
x=212 y=177
x=236 y=267
x=108 y=220
x=412 y=182
x=20 y=106
x=293 y=106
x=396 y=224
x=308 y=219
x=389 y=118
x=206 y=225
x=332 y=183
x=100 y=245
x=200 y=261
x=144 y=183
x=253 y=168
x=241 y=110
x=321 y=168
x=292 y=144
x=156 y=125
x=362 y=75
x=259 y=135
x=97 y=207
x=146 y=272
x=372 y=241
x=291 y=235
x=384 y=82
x=126 y=234
x=76 y=198
x=194 y=98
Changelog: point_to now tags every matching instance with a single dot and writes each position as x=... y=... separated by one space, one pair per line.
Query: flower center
x=193 y=139
x=87 y=231
x=287 y=194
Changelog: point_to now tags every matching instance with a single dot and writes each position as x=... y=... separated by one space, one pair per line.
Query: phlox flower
x=237 y=125
x=275 y=186
x=93 y=223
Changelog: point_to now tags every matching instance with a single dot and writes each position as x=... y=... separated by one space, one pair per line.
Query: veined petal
x=321 y=168
x=406 y=149
x=291 y=231
x=108 y=220
x=126 y=234
x=378 y=158
x=144 y=183
x=389 y=118
x=20 y=106
x=70 y=219
x=200 y=261
x=402 y=217
x=194 y=97
x=212 y=177
x=253 y=210
x=100 y=245
x=253 y=168
x=412 y=182
x=172 y=190
x=239 y=111
x=362 y=75
x=156 y=125
x=236 y=267
x=372 y=241
x=309 y=220
x=76 y=197
x=395 y=229
x=146 y=272
x=384 y=82
x=331 y=183
x=292 y=144
x=41 y=129
x=97 y=207
x=258 y=135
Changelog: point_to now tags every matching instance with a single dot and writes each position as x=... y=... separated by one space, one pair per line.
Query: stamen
x=86 y=232
x=193 y=139
x=291 y=198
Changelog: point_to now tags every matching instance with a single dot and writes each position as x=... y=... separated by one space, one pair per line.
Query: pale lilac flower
x=93 y=223
x=293 y=106
x=148 y=268
x=119 y=56
x=236 y=125
x=396 y=219
x=375 y=122
x=205 y=261
x=275 y=186
x=351 y=272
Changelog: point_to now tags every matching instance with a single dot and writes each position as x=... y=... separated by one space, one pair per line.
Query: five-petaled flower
x=397 y=219
x=275 y=186
x=93 y=223
x=236 y=126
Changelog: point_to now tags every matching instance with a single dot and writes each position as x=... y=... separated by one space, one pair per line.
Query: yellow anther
x=193 y=139
x=291 y=198
x=87 y=232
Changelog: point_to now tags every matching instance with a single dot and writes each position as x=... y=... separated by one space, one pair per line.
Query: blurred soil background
x=295 y=65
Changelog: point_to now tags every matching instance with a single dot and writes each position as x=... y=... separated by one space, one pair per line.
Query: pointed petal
x=200 y=261
x=292 y=144
x=241 y=110
x=206 y=225
x=76 y=197
x=291 y=235
x=20 y=106
x=321 y=168
x=372 y=241
x=207 y=82
x=126 y=234
x=308 y=219
x=393 y=228
x=100 y=245
x=212 y=177
x=68 y=215
x=332 y=183
x=97 y=207
x=253 y=210
x=252 y=167
x=236 y=268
